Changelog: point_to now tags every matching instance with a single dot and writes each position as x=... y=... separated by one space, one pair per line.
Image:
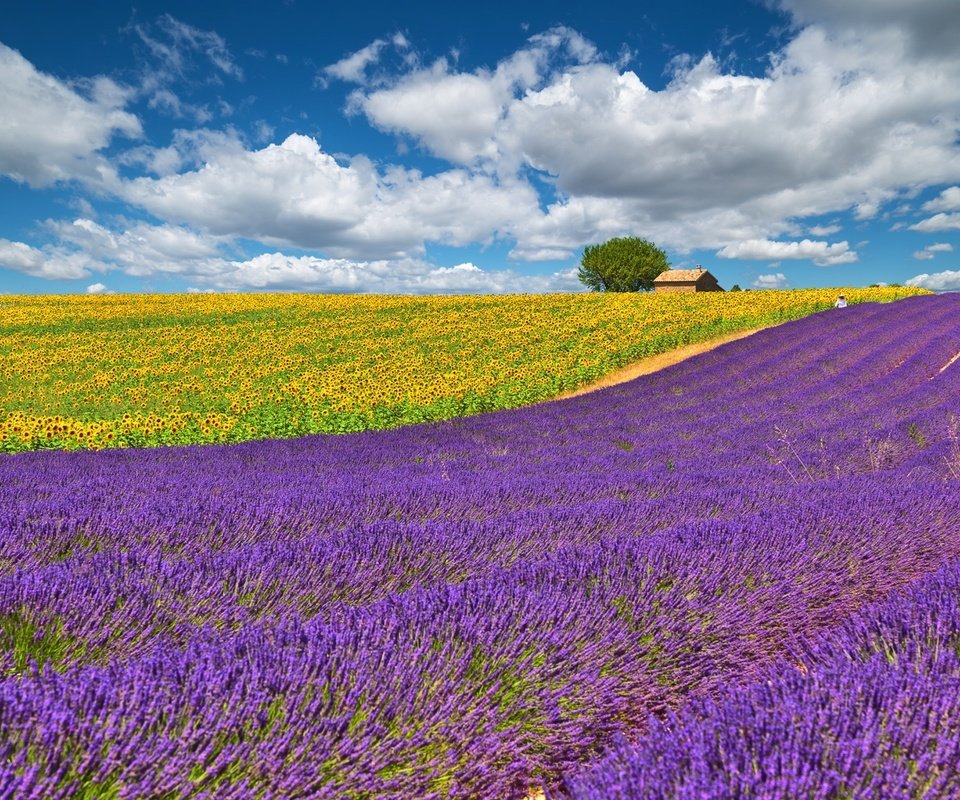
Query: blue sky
x=419 y=149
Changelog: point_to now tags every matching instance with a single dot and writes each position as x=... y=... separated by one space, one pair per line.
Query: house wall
x=668 y=288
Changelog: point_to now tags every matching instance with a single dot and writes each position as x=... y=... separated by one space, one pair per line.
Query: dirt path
x=653 y=363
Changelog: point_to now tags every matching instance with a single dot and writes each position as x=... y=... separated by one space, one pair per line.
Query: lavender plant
x=870 y=710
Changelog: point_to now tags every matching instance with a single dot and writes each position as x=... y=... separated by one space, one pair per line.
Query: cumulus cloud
x=947 y=200
x=938 y=222
x=353 y=67
x=932 y=27
x=52 y=263
x=571 y=222
x=51 y=131
x=293 y=193
x=845 y=118
x=263 y=131
x=456 y=114
x=947 y=281
x=776 y=280
x=810 y=137
x=822 y=131
x=821 y=253
x=188 y=149
x=139 y=249
x=930 y=251
x=277 y=271
x=19 y=256
x=82 y=247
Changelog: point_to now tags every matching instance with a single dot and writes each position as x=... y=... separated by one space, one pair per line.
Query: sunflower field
x=80 y=372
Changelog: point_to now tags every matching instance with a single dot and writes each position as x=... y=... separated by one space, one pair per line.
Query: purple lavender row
x=872 y=712
x=121 y=604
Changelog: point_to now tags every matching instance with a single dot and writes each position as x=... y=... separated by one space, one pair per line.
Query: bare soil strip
x=653 y=363
x=950 y=362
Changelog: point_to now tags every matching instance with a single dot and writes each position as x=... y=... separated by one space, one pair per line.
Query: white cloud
x=293 y=193
x=168 y=102
x=52 y=263
x=465 y=111
x=776 y=280
x=188 y=149
x=868 y=209
x=930 y=251
x=456 y=114
x=572 y=222
x=263 y=131
x=19 y=256
x=947 y=200
x=821 y=253
x=84 y=247
x=277 y=271
x=141 y=249
x=800 y=141
x=938 y=222
x=947 y=281
x=846 y=118
x=150 y=251
x=824 y=230
x=352 y=68
x=824 y=130
x=931 y=27
x=51 y=132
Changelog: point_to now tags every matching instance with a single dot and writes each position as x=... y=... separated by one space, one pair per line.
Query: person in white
x=841 y=302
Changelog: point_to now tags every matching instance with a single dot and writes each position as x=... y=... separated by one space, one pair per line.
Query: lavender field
x=737 y=577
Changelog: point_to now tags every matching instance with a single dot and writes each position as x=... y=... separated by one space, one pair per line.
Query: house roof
x=681 y=276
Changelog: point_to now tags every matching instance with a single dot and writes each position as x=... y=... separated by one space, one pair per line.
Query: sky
x=441 y=148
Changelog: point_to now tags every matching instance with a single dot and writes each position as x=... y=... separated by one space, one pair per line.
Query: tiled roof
x=681 y=275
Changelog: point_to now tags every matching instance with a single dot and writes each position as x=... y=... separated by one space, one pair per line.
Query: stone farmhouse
x=686 y=280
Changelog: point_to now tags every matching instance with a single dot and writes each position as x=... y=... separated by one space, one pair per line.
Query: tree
x=622 y=265
x=736 y=288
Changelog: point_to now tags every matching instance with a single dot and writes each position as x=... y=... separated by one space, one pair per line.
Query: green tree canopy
x=622 y=265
